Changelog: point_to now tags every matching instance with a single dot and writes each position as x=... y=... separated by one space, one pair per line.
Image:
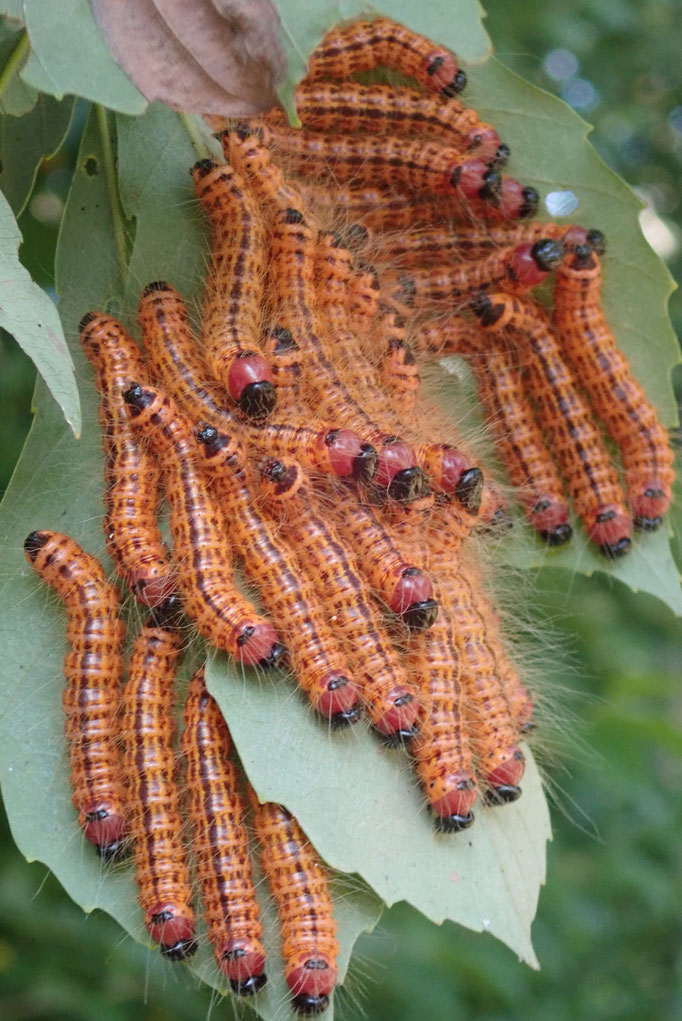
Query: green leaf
x=16 y=97
x=26 y=141
x=360 y=806
x=68 y=55
x=31 y=317
x=13 y=9
x=454 y=23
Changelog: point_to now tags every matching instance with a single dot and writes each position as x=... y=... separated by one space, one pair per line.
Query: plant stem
x=15 y=61
x=190 y=125
x=112 y=188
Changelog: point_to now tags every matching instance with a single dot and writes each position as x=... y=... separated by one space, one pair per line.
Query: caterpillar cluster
x=293 y=439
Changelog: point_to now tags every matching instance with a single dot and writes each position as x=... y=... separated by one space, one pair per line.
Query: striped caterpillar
x=381 y=42
x=147 y=729
x=131 y=476
x=92 y=669
x=234 y=291
x=298 y=885
x=220 y=842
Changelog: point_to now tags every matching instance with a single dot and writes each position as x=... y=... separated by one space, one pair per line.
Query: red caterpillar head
x=530 y=264
x=503 y=776
x=453 y=800
x=511 y=201
x=243 y=964
x=549 y=517
x=451 y=472
x=311 y=979
x=398 y=473
x=610 y=530
x=172 y=930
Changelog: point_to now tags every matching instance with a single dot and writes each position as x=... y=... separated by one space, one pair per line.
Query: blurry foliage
x=608 y=932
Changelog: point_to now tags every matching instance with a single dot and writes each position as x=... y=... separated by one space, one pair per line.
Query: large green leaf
x=68 y=55
x=454 y=23
x=29 y=315
x=26 y=141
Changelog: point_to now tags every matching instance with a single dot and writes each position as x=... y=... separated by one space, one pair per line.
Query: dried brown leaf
x=222 y=57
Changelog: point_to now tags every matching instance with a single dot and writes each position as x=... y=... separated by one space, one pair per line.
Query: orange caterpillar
x=201 y=551
x=349 y=108
x=442 y=749
x=439 y=244
x=619 y=400
x=131 y=476
x=92 y=669
x=234 y=291
x=405 y=589
x=518 y=268
x=400 y=374
x=292 y=266
x=337 y=452
x=378 y=211
x=298 y=885
x=245 y=151
x=364 y=45
x=388 y=161
x=284 y=357
x=491 y=721
x=347 y=599
x=566 y=421
x=287 y=594
x=220 y=842
x=174 y=358
x=519 y=442
x=147 y=729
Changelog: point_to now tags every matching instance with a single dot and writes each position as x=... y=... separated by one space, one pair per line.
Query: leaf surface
x=26 y=141
x=30 y=316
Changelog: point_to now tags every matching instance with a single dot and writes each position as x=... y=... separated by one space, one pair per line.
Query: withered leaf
x=222 y=57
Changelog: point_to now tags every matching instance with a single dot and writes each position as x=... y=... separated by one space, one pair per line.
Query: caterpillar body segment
x=244 y=148
x=349 y=108
x=298 y=884
x=220 y=842
x=92 y=670
x=147 y=730
x=400 y=375
x=566 y=421
x=175 y=359
x=617 y=397
x=286 y=592
x=451 y=336
x=364 y=301
x=284 y=358
x=347 y=599
x=202 y=555
x=131 y=476
x=442 y=750
x=404 y=587
x=520 y=443
x=364 y=45
x=512 y=269
x=337 y=452
x=234 y=292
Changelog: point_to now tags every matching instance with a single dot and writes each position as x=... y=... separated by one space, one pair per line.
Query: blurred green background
x=608 y=931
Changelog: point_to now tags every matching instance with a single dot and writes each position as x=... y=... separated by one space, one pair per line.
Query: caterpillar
x=299 y=888
x=234 y=290
x=617 y=397
x=400 y=374
x=284 y=358
x=292 y=266
x=440 y=337
x=244 y=149
x=520 y=443
x=516 y=269
x=439 y=244
x=287 y=594
x=364 y=45
x=492 y=725
x=389 y=161
x=333 y=569
x=566 y=421
x=92 y=670
x=405 y=589
x=146 y=730
x=220 y=842
x=442 y=750
x=131 y=476
x=174 y=358
x=348 y=108
x=201 y=552
x=337 y=452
